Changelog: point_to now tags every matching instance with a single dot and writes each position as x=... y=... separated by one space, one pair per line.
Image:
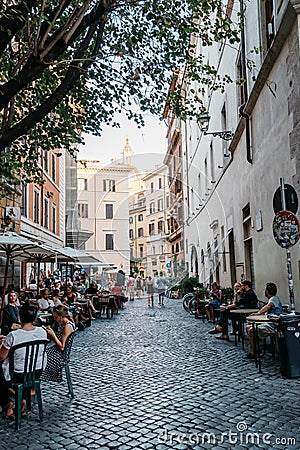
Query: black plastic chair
x=30 y=377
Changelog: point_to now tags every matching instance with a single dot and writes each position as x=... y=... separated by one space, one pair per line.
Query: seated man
x=44 y=302
x=273 y=307
x=92 y=290
x=248 y=300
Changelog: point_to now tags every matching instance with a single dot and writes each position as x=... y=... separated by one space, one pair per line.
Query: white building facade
x=159 y=258
x=230 y=184
x=103 y=207
x=149 y=222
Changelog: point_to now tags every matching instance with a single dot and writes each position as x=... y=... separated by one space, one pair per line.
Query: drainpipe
x=248 y=141
x=244 y=75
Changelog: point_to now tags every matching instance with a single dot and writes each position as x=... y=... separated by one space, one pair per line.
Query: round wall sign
x=286 y=229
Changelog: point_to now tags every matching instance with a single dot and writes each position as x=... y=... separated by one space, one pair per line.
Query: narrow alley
x=153 y=378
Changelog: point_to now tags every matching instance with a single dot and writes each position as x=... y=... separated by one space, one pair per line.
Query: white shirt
x=44 y=303
x=18 y=337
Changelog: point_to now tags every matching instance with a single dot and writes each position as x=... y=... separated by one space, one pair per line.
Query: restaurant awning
x=79 y=257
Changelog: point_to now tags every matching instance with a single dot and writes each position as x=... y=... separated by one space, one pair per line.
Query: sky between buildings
x=148 y=143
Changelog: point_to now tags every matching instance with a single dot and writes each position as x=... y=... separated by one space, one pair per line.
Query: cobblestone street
x=153 y=378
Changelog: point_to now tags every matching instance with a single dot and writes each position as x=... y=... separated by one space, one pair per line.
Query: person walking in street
x=161 y=288
x=138 y=287
x=150 y=291
x=130 y=287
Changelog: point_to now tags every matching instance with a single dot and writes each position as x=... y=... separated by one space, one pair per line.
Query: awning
x=76 y=238
x=80 y=257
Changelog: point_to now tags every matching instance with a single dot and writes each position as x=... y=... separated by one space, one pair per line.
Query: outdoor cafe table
x=240 y=315
x=255 y=321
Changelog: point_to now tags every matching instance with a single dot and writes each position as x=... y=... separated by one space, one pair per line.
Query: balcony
x=156 y=236
x=140 y=205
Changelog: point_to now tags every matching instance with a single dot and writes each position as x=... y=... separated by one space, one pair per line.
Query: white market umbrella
x=80 y=256
x=14 y=246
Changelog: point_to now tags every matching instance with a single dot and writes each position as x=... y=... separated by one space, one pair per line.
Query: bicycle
x=194 y=303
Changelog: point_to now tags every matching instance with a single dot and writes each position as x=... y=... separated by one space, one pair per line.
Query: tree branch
x=13 y=21
x=72 y=76
x=55 y=15
x=34 y=68
x=74 y=20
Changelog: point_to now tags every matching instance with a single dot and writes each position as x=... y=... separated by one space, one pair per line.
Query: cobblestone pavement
x=152 y=378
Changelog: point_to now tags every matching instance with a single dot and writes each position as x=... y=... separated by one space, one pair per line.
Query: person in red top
x=117 y=289
x=130 y=287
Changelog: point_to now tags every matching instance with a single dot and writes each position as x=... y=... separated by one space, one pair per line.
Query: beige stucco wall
x=273 y=124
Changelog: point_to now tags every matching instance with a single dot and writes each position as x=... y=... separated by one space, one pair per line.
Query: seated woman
x=222 y=326
x=69 y=298
x=27 y=333
x=11 y=319
x=216 y=300
x=53 y=371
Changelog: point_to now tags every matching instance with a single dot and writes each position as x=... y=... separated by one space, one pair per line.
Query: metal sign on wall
x=286 y=229
x=13 y=212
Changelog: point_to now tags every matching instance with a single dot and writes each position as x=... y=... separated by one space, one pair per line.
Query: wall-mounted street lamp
x=203 y=123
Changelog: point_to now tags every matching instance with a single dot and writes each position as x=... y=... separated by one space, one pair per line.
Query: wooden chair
x=104 y=304
x=34 y=352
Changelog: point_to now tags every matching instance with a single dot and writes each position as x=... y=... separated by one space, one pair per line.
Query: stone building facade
x=231 y=183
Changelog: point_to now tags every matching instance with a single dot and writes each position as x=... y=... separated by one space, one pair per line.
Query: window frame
x=36 y=205
x=109 y=241
x=83 y=210
x=109 y=185
x=109 y=211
